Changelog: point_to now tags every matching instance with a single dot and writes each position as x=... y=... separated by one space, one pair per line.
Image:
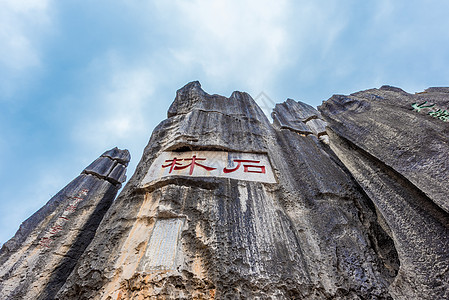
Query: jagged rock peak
x=193 y=97
x=437 y=90
x=48 y=244
x=123 y=156
x=363 y=100
x=110 y=166
x=299 y=117
x=392 y=89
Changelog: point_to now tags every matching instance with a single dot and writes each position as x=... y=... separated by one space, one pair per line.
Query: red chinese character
x=177 y=166
x=172 y=163
x=55 y=229
x=45 y=242
x=246 y=166
x=71 y=208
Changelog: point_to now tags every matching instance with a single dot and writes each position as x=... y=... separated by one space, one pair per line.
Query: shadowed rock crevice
x=65 y=267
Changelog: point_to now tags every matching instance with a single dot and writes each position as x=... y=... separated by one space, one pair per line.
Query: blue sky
x=80 y=77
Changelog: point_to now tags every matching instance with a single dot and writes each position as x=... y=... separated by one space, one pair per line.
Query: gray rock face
x=288 y=115
x=184 y=227
x=35 y=263
x=346 y=203
x=299 y=117
x=413 y=143
x=396 y=146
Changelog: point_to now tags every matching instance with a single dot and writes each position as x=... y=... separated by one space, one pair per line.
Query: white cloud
x=118 y=104
x=232 y=41
x=22 y=23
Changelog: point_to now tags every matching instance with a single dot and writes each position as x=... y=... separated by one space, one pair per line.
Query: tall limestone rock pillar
x=35 y=263
x=225 y=205
x=396 y=145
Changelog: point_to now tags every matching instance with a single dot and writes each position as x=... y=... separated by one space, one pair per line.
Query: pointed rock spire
x=48 y=244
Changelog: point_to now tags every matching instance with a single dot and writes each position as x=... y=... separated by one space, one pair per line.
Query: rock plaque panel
x=163 y=245
x=242 y=166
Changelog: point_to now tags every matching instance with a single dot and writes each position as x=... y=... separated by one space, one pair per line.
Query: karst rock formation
x=36 y=262
x=349 y=201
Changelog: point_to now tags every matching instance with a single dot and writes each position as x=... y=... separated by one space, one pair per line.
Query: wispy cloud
x=117 y=103
x=21 y=25
x=231 y=41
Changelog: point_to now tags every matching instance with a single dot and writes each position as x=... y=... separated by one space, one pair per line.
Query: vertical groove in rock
x=395 y=145
x=349 y=202
x=304 y=235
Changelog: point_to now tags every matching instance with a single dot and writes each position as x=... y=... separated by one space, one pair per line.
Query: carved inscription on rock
x=163 y=245
x=439 y=113
x=242 y=166
x=47 y=239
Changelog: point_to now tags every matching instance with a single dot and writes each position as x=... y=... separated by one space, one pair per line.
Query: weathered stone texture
x=226 y=205
x=398 y=154
x=299 y=117
x=35 y=263
x=310 y=235
x=382 y=123
x=285 y=115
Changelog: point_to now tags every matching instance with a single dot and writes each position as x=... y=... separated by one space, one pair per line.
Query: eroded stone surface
x=299 y=117
x=397 y=151
x=35 y=263
x=364 y=217
x=311 y=234
x=163 y=246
